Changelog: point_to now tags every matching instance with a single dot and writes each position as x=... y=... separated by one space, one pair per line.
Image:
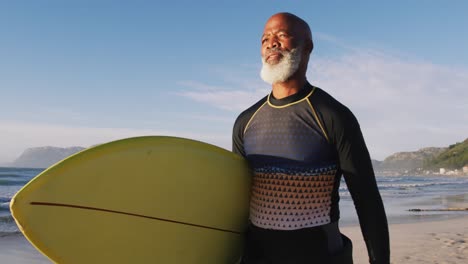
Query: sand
x=444 y=241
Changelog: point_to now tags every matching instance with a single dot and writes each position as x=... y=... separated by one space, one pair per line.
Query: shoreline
x=16 y=249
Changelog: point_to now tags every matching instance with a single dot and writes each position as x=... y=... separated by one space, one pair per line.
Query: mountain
x=409 y=161
x=455 y=157
x=377 y=164
x=43 y=157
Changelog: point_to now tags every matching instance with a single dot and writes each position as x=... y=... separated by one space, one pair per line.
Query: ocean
x=399 y=193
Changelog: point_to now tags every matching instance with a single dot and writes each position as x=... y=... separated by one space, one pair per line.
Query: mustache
x=274 y=50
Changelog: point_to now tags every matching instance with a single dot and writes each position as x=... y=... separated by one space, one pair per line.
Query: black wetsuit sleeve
x=241 y=124
x=237 y=138
x=356 y=166
x=355 y=163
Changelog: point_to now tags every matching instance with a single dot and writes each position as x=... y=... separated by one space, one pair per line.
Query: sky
x=80 y=73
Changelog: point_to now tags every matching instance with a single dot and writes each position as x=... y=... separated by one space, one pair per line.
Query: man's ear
x=309 y=46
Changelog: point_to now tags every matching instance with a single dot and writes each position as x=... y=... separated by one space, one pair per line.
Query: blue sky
x=87 y=72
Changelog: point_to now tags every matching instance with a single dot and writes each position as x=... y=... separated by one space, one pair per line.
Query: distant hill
x=377 y=164
x=409 y=161
x=43 y=157
x=454 y=157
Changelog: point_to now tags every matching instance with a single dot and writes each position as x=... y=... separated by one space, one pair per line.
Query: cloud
x=331 y=40
x=247 y=91
x=402 y=104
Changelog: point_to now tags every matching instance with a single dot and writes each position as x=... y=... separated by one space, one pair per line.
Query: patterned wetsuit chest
x=294 y=168
x=290 y=132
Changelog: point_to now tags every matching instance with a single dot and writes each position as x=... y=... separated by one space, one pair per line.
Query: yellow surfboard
x=139 y=200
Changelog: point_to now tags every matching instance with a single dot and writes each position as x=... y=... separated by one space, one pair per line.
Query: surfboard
x=147 y=199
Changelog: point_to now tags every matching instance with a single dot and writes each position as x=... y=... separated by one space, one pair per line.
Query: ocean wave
x=388 y=179
x=5 y=206
x=19 y=172
x=6 y=219
x=402 y=186
x=8 y=225
x=14 y=232
x=11 y=175
x=345 y=194
x=413 y=185
x=4 y=182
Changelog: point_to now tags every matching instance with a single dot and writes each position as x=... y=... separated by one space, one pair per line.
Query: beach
x=442 y=241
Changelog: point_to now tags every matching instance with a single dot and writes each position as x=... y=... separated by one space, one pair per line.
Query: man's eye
x=264 y=40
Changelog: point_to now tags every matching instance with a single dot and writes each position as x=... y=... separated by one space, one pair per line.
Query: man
x=299 y=141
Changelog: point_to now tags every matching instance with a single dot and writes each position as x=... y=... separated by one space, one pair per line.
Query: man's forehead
x=280 y=23
x=272 y=31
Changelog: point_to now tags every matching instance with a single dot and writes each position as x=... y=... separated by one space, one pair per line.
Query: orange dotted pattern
x=286 y=202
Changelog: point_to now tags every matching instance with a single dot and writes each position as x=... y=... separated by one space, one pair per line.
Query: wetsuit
x=298 y=148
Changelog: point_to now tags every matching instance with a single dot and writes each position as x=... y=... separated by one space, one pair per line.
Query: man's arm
x=356 y=166
x=345 y=134
x=237 y=137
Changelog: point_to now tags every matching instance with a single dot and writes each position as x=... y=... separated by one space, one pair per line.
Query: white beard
x=284 y=69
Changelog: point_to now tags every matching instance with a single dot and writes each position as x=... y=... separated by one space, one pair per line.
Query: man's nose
x=273 y=43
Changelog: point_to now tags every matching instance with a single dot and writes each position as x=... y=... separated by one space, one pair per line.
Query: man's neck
x=287 y=88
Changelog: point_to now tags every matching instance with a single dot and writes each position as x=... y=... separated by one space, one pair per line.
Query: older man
x=299 y=141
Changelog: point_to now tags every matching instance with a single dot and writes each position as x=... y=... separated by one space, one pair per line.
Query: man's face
x=279 y=35
x=281 y=51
